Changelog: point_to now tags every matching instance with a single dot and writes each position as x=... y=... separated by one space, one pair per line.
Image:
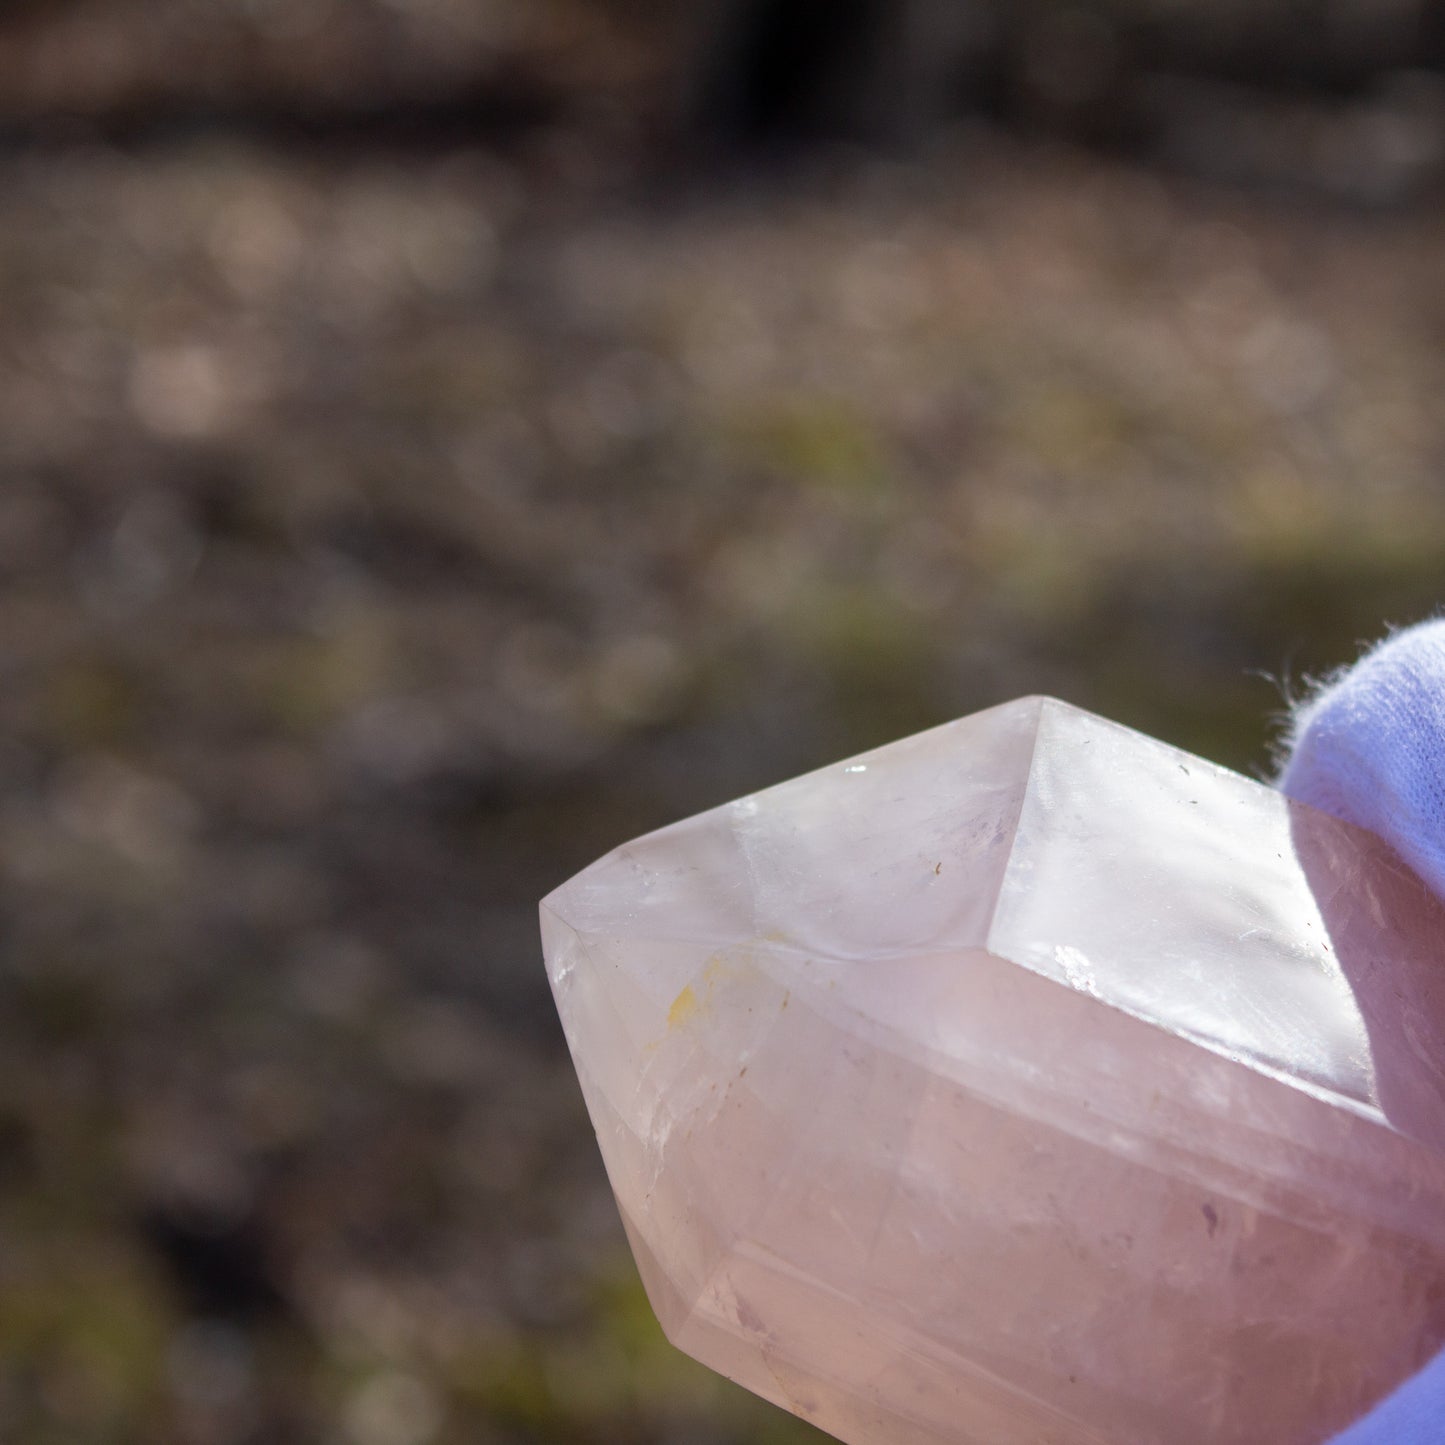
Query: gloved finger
x=1413 y=1415
x=1369 y=747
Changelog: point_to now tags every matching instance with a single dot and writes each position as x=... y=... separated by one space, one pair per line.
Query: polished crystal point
x=1025 y=1082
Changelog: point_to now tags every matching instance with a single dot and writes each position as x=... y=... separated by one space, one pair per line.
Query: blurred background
x=440 y=439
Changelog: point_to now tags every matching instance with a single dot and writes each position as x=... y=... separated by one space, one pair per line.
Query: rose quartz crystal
x=1026 y=1082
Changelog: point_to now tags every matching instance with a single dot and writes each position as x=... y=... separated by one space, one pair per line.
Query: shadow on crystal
x=1388 y=932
